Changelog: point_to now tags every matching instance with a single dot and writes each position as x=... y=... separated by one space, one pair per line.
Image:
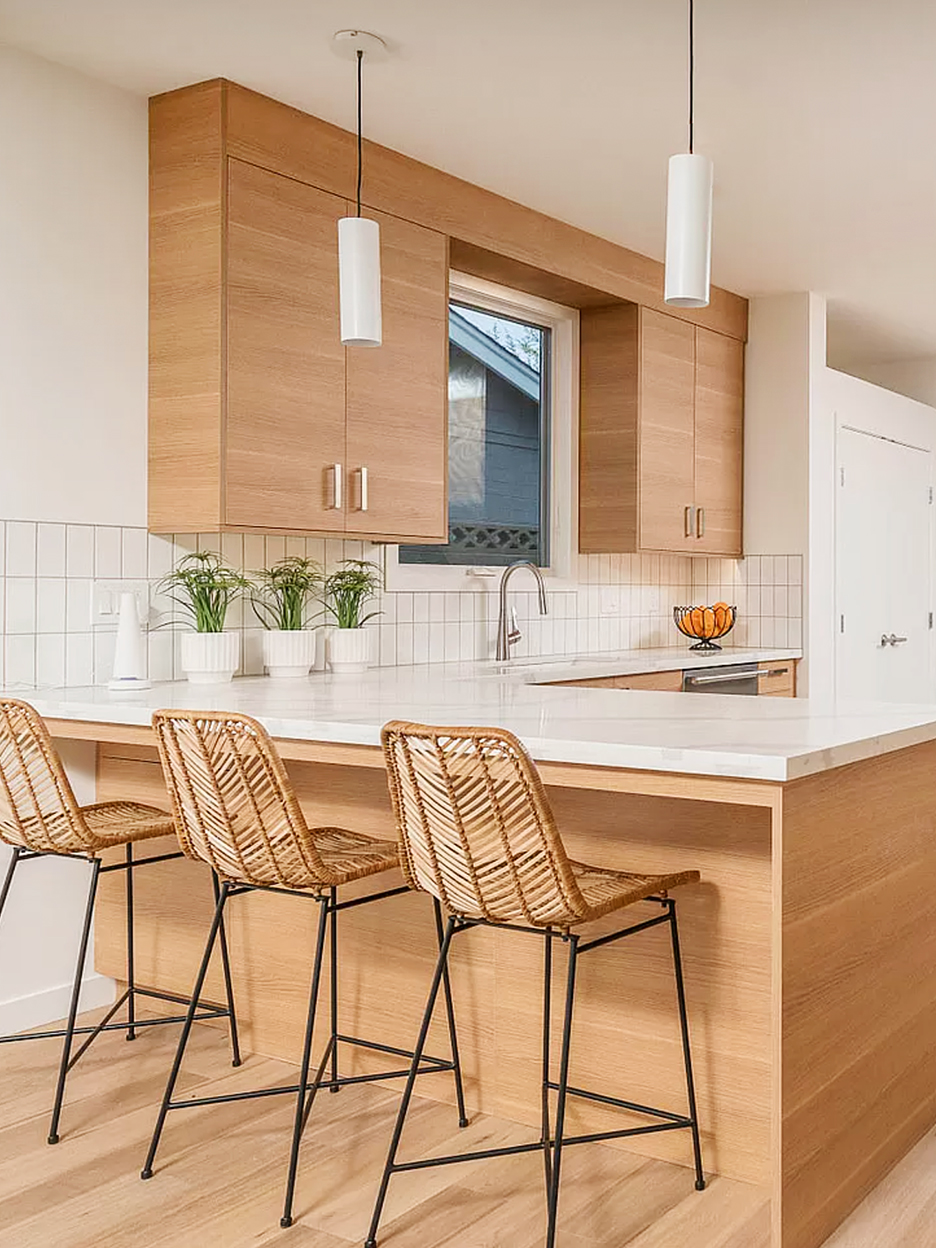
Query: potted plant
x=204 y=587
x=280 y=602
x=347 y=591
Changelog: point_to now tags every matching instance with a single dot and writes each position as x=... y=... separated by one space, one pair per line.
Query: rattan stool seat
x=108 y=824
x=353 y=856
x=605 y=890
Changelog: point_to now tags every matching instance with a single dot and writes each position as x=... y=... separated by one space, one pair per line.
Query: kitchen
x=258 y=450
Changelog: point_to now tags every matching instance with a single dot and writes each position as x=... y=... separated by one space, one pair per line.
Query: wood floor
x=220 y=1172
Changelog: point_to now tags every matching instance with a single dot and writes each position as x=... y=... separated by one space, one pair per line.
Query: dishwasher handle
x=720 y=678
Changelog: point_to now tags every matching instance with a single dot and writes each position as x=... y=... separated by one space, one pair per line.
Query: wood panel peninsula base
x=810 y=954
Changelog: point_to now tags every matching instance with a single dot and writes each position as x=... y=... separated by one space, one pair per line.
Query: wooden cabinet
x=259 y=418
x=778 y=680
x=661 y=434
x=397 y=398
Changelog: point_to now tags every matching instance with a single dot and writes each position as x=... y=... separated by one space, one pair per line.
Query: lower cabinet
x=778 y=680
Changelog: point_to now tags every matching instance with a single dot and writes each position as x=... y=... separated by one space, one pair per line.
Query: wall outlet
x=610 y=601
x=105 y=601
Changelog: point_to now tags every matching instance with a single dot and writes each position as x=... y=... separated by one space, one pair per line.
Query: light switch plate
x=105 y=601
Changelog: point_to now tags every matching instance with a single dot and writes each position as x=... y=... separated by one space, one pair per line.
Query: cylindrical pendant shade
x=688 y=231
x=359 y=281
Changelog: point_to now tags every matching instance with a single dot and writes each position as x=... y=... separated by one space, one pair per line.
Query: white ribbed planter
x=210 y=658
x=349 y=649
x=288 y=653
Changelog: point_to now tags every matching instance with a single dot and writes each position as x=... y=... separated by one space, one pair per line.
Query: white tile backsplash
x=621 y=601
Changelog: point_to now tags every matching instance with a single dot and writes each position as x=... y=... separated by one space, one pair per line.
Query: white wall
x=73 y=318
x=916 y=379
x=73 y=302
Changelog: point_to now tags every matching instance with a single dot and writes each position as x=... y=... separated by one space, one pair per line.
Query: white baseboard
x=51 y=1005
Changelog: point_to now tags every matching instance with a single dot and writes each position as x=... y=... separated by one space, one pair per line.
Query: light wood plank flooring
x=220 y=1172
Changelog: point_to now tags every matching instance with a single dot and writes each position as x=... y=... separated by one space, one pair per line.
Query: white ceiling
x=818 y=113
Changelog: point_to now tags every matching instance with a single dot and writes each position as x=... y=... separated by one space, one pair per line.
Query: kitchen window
x=513 y=363
x=498 y=442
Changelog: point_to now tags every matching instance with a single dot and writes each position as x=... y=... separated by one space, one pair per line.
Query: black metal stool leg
x=553 y=1202
x=73 y=1006
x=131 y=982
x=147 y=1171
x=547 y=1020
x=371 y=1241
x=333 y=986
x=228 y=981
x=450 y=1016
x=301 y=1106
x=687 y=1056
x=8 y=879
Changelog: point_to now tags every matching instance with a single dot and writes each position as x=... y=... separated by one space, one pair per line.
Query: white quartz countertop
x=749 y=738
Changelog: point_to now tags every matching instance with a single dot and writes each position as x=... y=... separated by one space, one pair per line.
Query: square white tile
x=50 y=550
x=20 y=548
x=50 y=660
x=79 y=659
x=20 y=605
x=107 y=554
x=50 y=604
x=134 y=554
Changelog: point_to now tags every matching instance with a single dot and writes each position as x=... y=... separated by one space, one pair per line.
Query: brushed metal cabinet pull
x=361 y=477
x=700 y=522
x=335 y=473
x=690 y=521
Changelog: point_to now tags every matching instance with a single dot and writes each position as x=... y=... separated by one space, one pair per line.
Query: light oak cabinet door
x=285 y=423
x=666 y=446
x=661 y=432
x=719 y=415
x=397 y=394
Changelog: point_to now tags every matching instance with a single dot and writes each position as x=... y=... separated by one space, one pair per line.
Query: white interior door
x=883 y=529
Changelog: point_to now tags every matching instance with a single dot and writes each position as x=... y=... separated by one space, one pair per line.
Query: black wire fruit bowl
x=704 y=624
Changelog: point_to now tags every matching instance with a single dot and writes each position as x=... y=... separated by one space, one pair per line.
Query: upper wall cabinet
x=259 y=417
x=661 y=434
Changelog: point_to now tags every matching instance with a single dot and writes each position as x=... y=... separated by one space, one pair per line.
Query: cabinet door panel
x=718 y=442
x=667 y=352
x=398 y=393
x=285 y=362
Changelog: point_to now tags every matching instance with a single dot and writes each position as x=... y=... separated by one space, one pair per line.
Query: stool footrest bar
x=620 y=1104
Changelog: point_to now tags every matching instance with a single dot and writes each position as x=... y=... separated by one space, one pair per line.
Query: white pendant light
x=359 y=237
x=689 y=214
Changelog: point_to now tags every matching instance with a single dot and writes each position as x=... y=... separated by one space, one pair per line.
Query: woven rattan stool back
x=476 y=827
x=233 y=802
x=38 y=809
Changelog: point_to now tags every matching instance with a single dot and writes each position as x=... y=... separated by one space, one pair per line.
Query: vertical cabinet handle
x=700 y=522
x=361 y=478
x=334 y=472
x=690 y=521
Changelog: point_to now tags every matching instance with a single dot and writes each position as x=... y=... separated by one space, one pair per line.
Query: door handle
x=700 y=522
x=336 y=491
x=690 y=521
x=361 y=477
x=892 y=640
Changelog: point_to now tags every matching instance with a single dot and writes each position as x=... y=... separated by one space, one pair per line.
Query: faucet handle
x=513 y=634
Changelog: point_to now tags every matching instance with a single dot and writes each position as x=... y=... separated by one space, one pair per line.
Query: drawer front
x=779 y=679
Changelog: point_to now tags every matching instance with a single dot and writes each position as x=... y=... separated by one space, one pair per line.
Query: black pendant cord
x=360 y=143
x=691 y=75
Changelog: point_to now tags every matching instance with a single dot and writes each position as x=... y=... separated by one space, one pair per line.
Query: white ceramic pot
x=210 y=658
x=349 y=649
x=288 y=653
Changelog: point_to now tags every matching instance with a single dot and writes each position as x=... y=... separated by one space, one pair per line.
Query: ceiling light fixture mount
x=689 y=213
x=358 y=236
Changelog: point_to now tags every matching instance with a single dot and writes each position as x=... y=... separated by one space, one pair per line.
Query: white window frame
x=563 y=323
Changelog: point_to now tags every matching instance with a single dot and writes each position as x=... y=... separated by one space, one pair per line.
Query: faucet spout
x=505 y=636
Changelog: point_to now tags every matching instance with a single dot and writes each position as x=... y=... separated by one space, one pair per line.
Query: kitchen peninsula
x=810 y=944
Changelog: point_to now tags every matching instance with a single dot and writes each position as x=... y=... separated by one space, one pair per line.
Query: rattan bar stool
x=40 y=818
x=477 y=832
x=236 y=809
